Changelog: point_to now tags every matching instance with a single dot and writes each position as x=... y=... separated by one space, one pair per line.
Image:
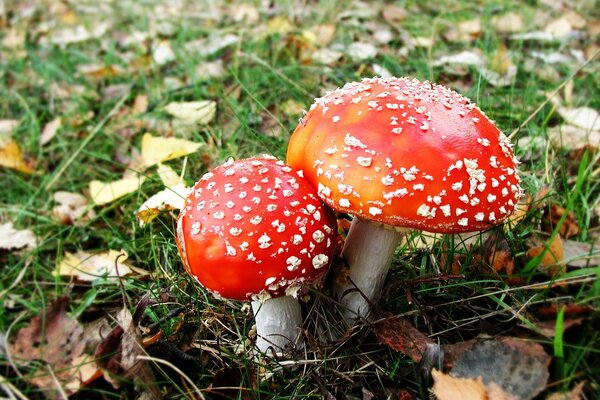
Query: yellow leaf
x=199 y=112
x=171 y=198
x=107 y=192
x=446 y=387
x=168 y=176
x=89 y=267
x=11 y=156
x=157 y=149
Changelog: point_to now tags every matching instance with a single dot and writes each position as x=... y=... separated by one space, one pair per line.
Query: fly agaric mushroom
x=255 y=230
x=400 y=154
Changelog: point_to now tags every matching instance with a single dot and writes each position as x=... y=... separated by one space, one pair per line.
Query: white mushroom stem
x=278 y=324
x=368 y=251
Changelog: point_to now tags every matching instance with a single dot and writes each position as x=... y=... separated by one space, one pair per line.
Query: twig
x=551 y=95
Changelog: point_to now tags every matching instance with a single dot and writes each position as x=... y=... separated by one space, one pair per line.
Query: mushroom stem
x=368 y=251
x=278 y=321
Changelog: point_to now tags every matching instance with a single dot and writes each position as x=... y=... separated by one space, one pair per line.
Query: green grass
x=261 y=73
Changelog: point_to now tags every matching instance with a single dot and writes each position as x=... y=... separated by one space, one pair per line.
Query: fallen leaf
x=206 y=47
x=162 y=53
x=360 y=51
x=11 y=156
x=50 y=130
x=13 y=239
x=168 y=176
x=497 y=254
x=7 y=126
x=446 y=387
x=326 y=56
x=292 y=108
x=572 y=137
x=78 y=34
x=519 y=367
x=279 y=25
x=106 y=192
x=582 y=117
x=581 y=255
x=156 y=149
x=464 y=31
x=394 y=14
x=323 y=34
x=553 y=215
x=88 y=267
x=400 y=335
x=560 y=28
x=574 y=394
x=72 y=208
x=100 y=71
x=171 y=198
x=59 y=341
x=200 y=112
x=244 y=12
x=548 y=328
x=511 y=22
x=552 y=261
x=140 y=104
x=117 y=354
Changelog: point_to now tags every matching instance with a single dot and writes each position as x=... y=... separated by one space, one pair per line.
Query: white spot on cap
x=353 y=141
x=219 y=215
x=320 y=260
x=425 y=211
x=195 y=228
x=318 y=236
x=463 y=221
x=264 y=241
x=491 y=198
x=387 y=180
x=479 y=216
x=331 y=150
x=235 y=231
x=269 y=281
x=256 y=220
x=375 y=211
x=446 y=210
x=364 y=161
x=297 y=239
x=344 y=203
x=336 y=118
x=293 y=263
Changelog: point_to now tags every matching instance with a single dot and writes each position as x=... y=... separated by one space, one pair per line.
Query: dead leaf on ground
x=71 y=209
x=517 y=366
x=553 y=215
x=50 y=130
x=208 y=46
x=163 y=53
x=7 y=126
x=360 y=51
x=229 y=383
x=106 y=192
x=78 y=33
x=117 y=354
x=511 y=22
x=88 y=267
x=548 y=328
x=59 y=341
x=11 y=156
x=171 y=198
x=140 y=104
x=497 y=254
x=574 y=394
x=581 y=255
x=156 y=149
x=552 y=258
x=199 y=112
x=446 y=387
x=400 y=335
x=464 y=31
x=15 y=239
x=100 y=71
x=394 y=14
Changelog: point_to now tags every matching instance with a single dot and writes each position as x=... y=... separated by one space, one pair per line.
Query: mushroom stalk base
x=278 y=324
x=368 y=251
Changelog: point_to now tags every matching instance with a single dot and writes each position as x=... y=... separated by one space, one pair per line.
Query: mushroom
x=255 y=230
x=401 y=154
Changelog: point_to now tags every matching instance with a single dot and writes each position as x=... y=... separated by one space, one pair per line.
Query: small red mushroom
x=256 y=230
x=399 y=154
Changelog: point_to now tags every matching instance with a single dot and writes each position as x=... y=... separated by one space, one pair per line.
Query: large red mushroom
x=400 y=154
x=255 y=230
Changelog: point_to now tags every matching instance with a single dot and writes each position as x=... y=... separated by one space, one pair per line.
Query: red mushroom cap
x=255 y=228
x=407 y=153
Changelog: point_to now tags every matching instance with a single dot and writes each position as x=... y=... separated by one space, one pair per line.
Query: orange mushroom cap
x=255 y=228
x=407 y=153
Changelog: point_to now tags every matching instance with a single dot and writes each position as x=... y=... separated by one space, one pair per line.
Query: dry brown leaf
x=559 y=28
x=551 y=218
x=519 y=367
x=501 y=62
x=497 y=254
x=100 y=71
x=72 y=209
x=400 y=335
x=394 y=14
x=88 y=267
x=13 y=239
x=548 y=328
x=581 y=255
x=464 y=31
x=574 y=394
x=78 y=34
x=322 y=34
x=106 y=192
x=50 y=130
x=156 y=149
x=585 y=118
x=552 y=262
x=59 y=341
x=11 y=156
x=140 y=104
